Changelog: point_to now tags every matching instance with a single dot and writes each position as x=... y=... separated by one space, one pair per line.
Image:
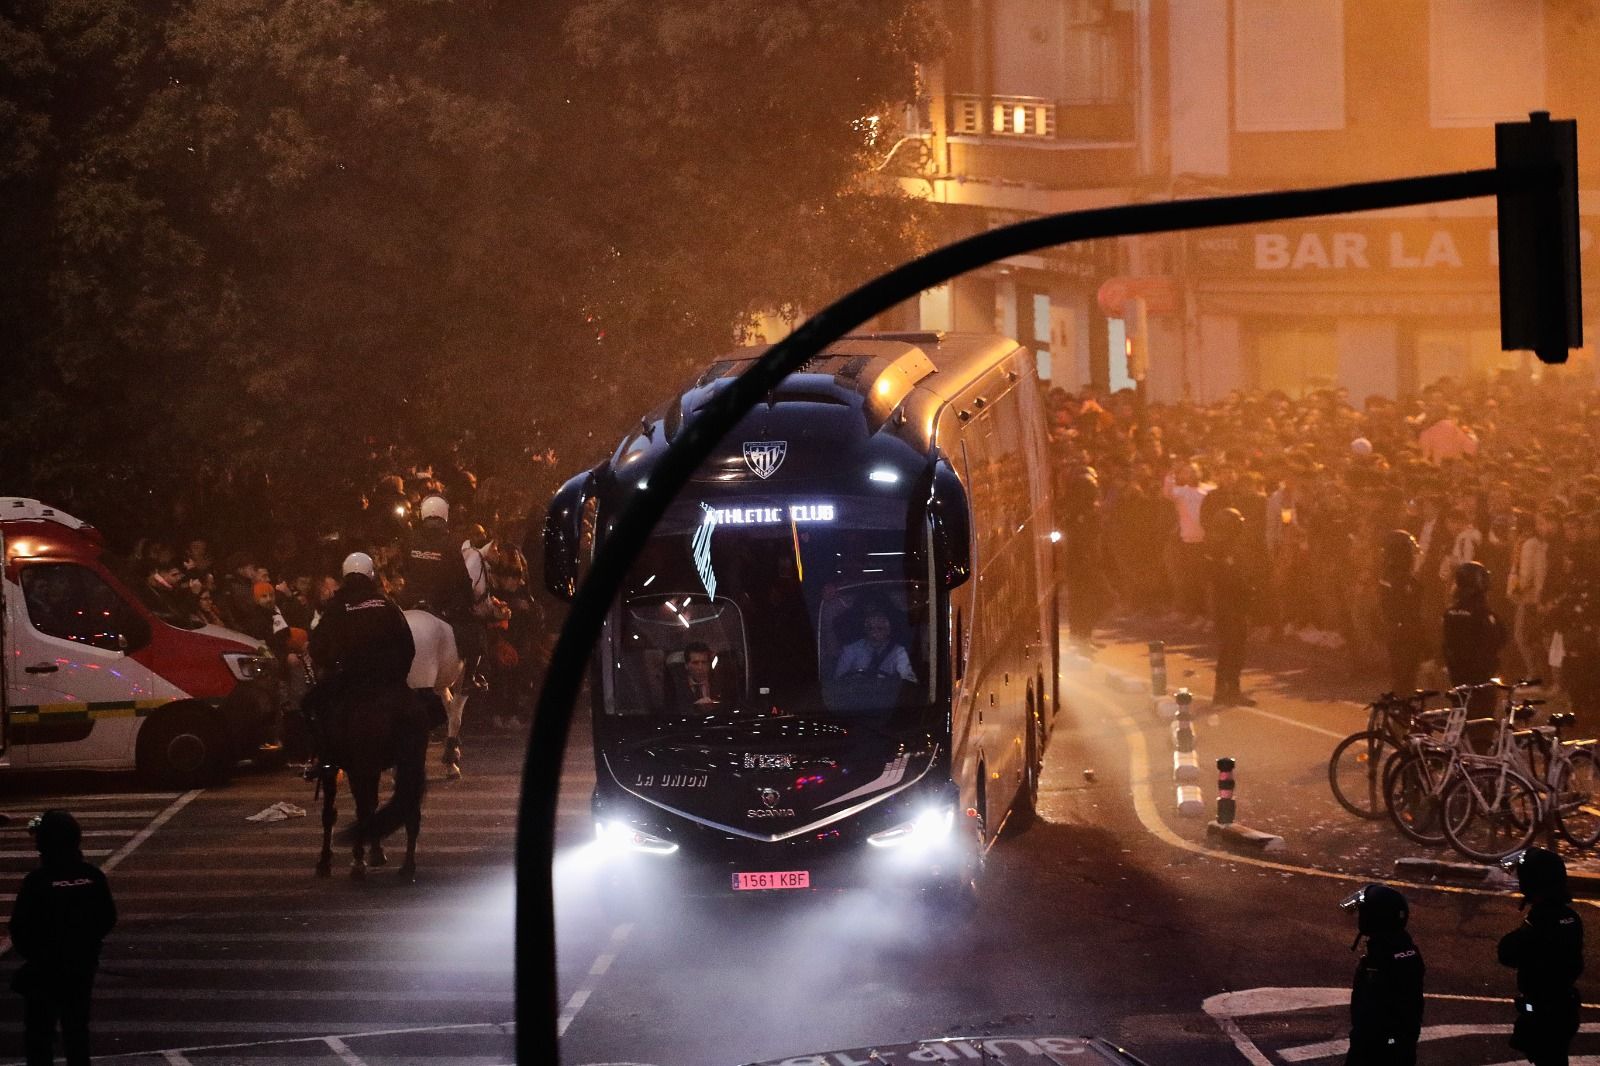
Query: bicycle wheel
x=1355 y=772
x=1489 y=813
x=1578 y=799
x=1411 y=788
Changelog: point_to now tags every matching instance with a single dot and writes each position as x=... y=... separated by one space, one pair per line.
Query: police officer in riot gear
x=1546 y=950
x=62 y=914
x=1473 y=634
x=361 y=648
x=1232 y=589
x=1386 y=997
x=438 y=582
x=1400 y=606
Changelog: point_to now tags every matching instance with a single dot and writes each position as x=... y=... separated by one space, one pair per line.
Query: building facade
x=1052 y=105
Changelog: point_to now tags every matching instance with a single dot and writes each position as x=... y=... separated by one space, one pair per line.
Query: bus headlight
x=931 y=826
x=247 y=667
x=619 y=836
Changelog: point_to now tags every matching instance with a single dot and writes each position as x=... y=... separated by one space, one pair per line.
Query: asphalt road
x=1111 y=916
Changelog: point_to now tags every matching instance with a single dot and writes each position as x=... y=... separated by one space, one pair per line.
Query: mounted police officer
x=437 y=581
x=361 y=648
x=1546 y=950
x=1386 y=996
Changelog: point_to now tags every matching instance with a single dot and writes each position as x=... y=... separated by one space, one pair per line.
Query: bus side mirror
x=563 y=530
x=952 y=526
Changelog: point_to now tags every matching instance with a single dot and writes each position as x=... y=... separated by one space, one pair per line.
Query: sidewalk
x=1309 y=698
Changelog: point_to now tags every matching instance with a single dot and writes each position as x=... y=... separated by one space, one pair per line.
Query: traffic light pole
x=537 y=1040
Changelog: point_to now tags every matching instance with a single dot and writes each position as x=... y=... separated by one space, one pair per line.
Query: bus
x=835 y=662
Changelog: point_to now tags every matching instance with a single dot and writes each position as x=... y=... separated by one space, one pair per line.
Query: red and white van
x=92 y=680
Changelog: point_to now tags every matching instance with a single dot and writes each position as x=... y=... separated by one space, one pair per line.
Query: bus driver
x=876 y=654
x=696 y=687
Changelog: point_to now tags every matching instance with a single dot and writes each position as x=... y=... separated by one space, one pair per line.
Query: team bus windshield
x=749 y=606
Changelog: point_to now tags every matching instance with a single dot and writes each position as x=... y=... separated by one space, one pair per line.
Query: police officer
x=62 y=914
x=1232 y=588
x=1083 y=561
x=361 y=647
x=1400 y=605
x=1386 y=996
x=437 y=580
x=1546 y=950
x=1473 y=634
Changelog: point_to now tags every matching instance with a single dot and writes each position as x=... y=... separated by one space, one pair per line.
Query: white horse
x=438 y=665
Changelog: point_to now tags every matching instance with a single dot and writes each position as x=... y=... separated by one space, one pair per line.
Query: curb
x=1244 y=837
x=1489 y=876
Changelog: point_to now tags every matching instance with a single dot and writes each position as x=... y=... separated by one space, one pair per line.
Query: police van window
x=74 y=603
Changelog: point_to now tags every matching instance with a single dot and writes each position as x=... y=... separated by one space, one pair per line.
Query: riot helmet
x=1540 y=872
x=358 y=563
x=1380 y=910
x=1399 y=550
x=1472 y=579
x=56 y=833
x=435 y=507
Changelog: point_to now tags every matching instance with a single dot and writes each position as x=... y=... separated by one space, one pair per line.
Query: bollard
x=1183 y=727
x=1158 y=668
x=1226 y=808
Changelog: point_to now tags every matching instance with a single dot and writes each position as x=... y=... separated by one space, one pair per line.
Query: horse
x=375 y=734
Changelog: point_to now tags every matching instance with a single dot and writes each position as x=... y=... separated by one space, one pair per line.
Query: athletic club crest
x=763 y=457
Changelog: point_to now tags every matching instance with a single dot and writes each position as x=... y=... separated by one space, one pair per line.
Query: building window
x=1288 y=70
x=1485 y=61
x=1068 y=52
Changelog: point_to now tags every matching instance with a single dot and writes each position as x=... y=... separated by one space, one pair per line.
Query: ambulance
x=92 y=680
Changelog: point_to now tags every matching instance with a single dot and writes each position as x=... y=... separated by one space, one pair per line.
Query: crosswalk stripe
x=180 y=1025
x=108 y=797
x=505 y=1000
x=321 y=936
x=114 y=965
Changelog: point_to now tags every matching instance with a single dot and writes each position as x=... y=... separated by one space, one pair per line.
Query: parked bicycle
x=1355 y=770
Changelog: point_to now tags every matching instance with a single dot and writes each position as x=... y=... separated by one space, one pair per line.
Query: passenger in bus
x=876 y=654
x=696 y=688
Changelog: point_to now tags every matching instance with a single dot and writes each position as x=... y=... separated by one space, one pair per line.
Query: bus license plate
x=767 y=879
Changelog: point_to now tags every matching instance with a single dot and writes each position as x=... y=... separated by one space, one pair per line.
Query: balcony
x=1040 y=121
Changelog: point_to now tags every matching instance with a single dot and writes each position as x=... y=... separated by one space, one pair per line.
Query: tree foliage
x=254 y=232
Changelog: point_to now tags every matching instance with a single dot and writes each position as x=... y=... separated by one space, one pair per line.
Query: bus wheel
x=1025 y=808
x=180 y=750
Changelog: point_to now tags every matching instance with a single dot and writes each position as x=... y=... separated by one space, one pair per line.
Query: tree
x=264 y=230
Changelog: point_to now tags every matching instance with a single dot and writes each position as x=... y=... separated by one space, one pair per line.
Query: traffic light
x=1541 y=302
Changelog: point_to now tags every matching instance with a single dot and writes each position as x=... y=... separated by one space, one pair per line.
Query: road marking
x=502 y=1028
x=1226 y=1007
x=144 y=834
x=89 y=853
x=602 y=963
x=175 y=1058
x=83 y=816
x=1142 y=785
x=1328 y=1048
x=114 y=966
x=341 y=1049
x=106 y=797
x=498 y=998
x=1286 y=720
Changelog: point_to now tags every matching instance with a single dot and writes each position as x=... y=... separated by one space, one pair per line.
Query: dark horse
x=368 y=735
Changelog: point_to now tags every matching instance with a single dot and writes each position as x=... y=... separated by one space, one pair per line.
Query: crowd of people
x=1500 y=472
x=273 y=583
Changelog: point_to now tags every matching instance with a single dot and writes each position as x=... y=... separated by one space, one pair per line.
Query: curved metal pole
x=536 y=1008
